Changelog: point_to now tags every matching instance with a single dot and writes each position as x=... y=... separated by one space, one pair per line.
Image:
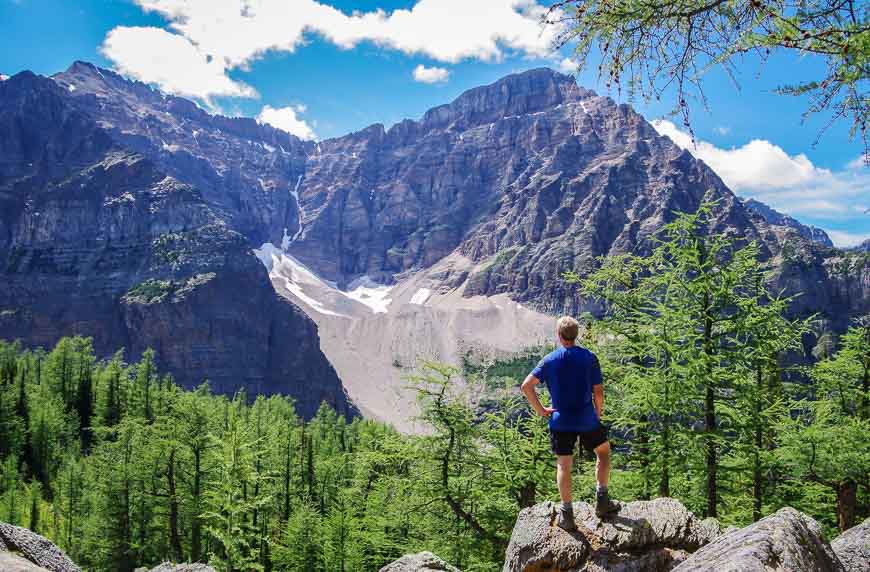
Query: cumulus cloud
x=847 y=239
x=222 y=35
x=567 y=65
x=287 y=119
x=172 y=62
x=791 y=184
x=430 y=75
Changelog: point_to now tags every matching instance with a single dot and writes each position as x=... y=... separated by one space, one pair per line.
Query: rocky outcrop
x=421 y=562
x=641 y=536
x=785 y=540
x=31 y=548
x=853 y=548
x=97 y=240
x=169 y=567
x=12 y=563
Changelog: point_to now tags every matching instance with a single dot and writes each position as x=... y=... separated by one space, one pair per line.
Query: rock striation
x=853 y=548
x=641 y=536
x=33 y=552
x=420 y=562
x=785 y=540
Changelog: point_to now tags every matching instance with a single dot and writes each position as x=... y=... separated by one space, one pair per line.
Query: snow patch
x=420 y=296
x=71 y=87
x=269 y=148
x=366 y=291
x=3 y=77
x=583 y=107
x=300 y=212
x=167 y=147
x=294 y=275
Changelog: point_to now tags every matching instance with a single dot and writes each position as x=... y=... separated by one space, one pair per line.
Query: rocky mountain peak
x=516 y=94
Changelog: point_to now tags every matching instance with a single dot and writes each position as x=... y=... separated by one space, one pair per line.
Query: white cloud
x=722 y=130
x=287 y=119
x=222 y=35
x=3 y=77
x=170 y=61
x=791 y=184
x=430 y=75
x=847 y=239
x=567 y=65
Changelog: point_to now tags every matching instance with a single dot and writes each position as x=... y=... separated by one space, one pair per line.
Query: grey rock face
x=420 y=562
x=785 y=540
x=642 y=535
x=34 y=548
x=11 y=563
x=853 y=548
x=169 y=567
x=96 y=240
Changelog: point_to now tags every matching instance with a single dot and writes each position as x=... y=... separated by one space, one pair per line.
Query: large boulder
x=35 y=549
x=853 y=548
x=786 y=540
x=169 y=567
x=12 y=563
x=420 y=562
x=642 y=535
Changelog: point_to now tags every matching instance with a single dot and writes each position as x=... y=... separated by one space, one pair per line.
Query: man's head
x=567 y=329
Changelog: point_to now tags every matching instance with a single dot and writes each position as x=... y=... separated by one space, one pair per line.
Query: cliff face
x=96 y=240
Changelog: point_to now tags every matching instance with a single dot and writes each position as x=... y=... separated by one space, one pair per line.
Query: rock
x=642 y=535
x=36 y=549
x=420 y=562
x=786 y=540
x=12 y=563
x=776 y=218
x=853 y=548
x=169 y=567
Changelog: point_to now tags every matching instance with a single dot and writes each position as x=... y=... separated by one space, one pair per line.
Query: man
x=573 y=377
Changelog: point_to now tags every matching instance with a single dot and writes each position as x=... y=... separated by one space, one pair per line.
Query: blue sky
x=323 y=69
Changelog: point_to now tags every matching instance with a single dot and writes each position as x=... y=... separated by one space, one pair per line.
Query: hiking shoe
x=603 y=504
x=565 y=519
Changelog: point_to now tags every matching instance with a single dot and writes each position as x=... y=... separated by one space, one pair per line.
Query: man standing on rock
x=573 y=377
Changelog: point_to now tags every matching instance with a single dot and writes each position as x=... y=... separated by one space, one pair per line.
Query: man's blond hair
x=568 y=328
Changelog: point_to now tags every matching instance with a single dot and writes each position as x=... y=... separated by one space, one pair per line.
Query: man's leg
x=602 y=464
x=603 y=504
x=563 y=477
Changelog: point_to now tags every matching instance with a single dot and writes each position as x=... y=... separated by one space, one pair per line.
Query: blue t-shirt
x=569 y=374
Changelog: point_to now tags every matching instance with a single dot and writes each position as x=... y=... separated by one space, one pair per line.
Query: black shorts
x=562 y=442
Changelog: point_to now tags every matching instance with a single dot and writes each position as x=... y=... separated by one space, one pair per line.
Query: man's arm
x=598 y=399
x=528 y=388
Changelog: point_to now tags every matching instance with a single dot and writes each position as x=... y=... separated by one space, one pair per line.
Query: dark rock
x=785 y=540
x=35 y=548
x=421 y=562
x=642 y=535
x=853 y=548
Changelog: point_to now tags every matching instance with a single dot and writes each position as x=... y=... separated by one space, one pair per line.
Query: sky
x=325 y=68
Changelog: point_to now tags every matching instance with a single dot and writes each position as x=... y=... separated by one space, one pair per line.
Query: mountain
x=776 y=218
x=442 y=238
x=96 y=239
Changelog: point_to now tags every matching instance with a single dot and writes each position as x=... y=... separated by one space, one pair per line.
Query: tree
x=658 y=46
x=825 y=443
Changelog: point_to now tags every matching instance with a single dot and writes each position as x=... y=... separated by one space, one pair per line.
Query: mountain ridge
x=437 y=227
